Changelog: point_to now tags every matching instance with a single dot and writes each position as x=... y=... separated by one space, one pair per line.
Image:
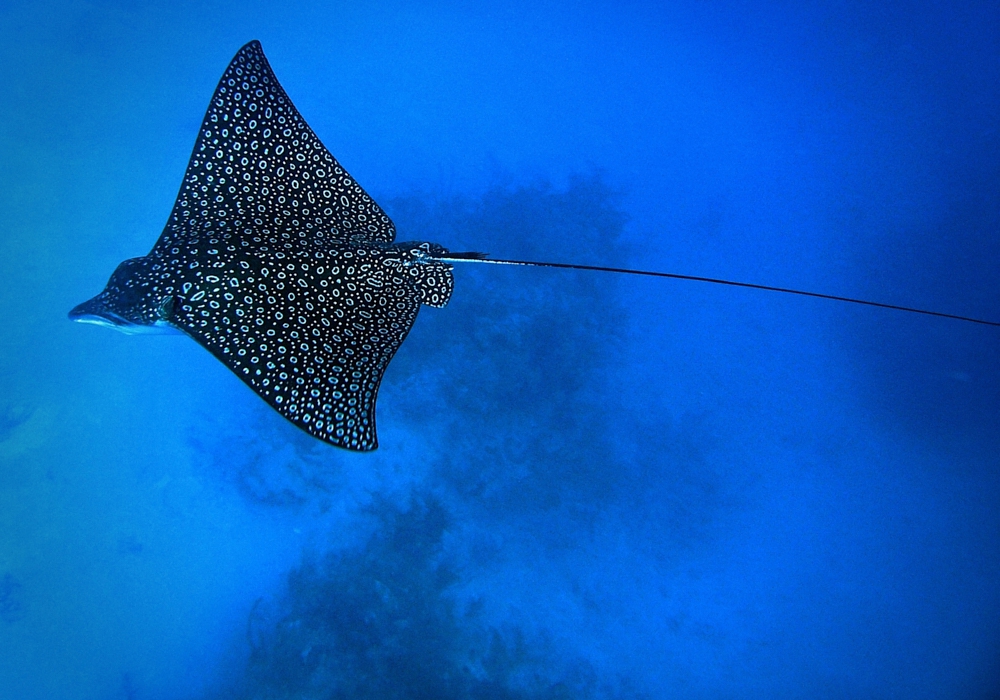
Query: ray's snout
x=95 y=311
x=91 y=307
x=104 y=310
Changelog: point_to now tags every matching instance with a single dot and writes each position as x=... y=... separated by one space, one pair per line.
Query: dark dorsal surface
x=280 y=264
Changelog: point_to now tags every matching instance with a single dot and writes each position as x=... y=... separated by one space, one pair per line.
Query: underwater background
x=588 y=485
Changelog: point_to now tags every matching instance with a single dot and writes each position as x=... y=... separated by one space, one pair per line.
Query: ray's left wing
x=259 y=174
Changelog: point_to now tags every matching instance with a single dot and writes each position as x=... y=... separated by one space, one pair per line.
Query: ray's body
x=280 y=264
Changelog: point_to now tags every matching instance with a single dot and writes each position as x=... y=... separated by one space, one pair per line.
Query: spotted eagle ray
x=282 y=266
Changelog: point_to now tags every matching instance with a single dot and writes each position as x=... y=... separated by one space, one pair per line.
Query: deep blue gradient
x=588 y=486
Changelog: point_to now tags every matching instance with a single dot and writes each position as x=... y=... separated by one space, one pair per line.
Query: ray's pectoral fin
x=252 y=138
x=318 y=364
x=332 y=401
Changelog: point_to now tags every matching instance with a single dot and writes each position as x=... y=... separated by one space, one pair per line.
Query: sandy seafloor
x=587 y=486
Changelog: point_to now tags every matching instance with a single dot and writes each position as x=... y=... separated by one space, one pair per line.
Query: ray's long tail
x=483 y=258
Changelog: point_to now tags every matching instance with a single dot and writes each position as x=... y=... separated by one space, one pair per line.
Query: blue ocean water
x=588 y=486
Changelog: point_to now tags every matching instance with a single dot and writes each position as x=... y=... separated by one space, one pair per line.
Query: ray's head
x=131 y=302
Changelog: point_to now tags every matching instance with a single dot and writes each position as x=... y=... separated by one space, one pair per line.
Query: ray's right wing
x=313 y=342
